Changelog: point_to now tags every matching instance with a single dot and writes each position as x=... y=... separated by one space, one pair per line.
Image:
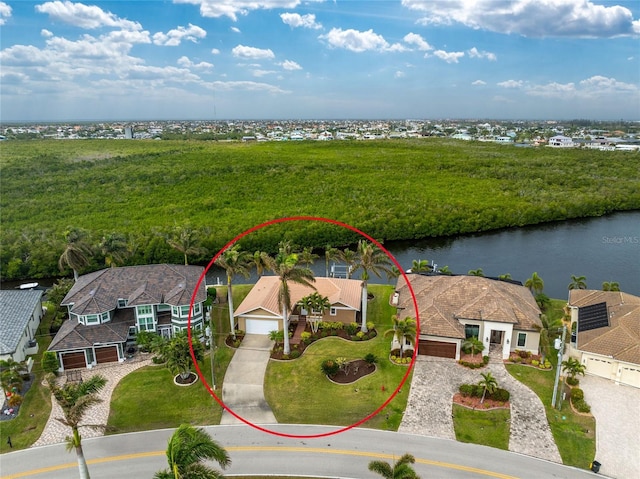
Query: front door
x=496 y=337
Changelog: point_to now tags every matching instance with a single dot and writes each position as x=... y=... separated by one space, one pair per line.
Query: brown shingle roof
x=621 y=339
x=443 y=299
x=73 y=335
x=99 y=291
x=264 y=295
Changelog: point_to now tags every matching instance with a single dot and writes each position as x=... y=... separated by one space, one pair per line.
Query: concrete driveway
x=617 y=412
x=243 y=387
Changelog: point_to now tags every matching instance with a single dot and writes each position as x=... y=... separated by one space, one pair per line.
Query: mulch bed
x=357 y=369
x=473 y=402
x=186 y=382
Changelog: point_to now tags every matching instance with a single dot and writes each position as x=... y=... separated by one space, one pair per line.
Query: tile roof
x=99 y=291
x=264 y=295
x=16 y=309
x=73 y=335
x=621 y=339
x=442 y=300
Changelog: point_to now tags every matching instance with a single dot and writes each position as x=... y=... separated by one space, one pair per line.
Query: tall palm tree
x=548 y=331
x=329 y=253
x=188 y=447
x=286 y=266
x=419 y=266
x=260 y=261
x=177 y=353
x=350 y=259
x=476 y=272
x=535 y=284
x=186 y=240
x=488 y=384
x=77 y=252
x=403 y=330
x=307 y=256
x=114 y=248
x=610 y=286
x=578 y=282
x=401 y=469
x=394 y=273
x=371 y=260
x=75 y=399
x=234 y=262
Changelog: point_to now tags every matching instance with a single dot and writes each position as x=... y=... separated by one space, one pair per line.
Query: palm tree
x=77 y=252
x=445 y=270
x=401 y=469
x=419 y=266
x=114 y=248
x=488 y=383
x=177 y=354
x=403 y=330
x=476 y=272
x=371 y=260
x=548 y=331
x=234 y=262
x=186 y=240
x=350 y=258
x=394 y=273
x=610 y=286
x=535 y=284
x=11 y=374
x=578 y=282
x=286 y=266
x=329 y=253
x=573 y=366
x=307 y=256
x=259 y=261
x=505 y=277
x=75 y=399
x=473 y=344
x=188 y=447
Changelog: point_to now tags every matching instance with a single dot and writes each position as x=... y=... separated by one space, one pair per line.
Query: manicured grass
x=298 y=392
x=488 y=428
x=574 y=434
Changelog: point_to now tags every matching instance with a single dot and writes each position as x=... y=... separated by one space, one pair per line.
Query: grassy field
x=488 y=428
x=142 y=189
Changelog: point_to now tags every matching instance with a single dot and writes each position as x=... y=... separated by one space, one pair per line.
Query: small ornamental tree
x=49 y=362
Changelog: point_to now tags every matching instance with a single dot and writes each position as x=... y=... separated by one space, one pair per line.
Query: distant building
x=560 y=141
x=128 y=133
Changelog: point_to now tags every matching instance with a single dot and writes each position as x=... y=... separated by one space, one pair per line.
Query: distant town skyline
x=319 y=59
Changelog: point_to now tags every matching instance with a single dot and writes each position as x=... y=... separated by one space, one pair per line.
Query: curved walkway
x=436 y=380
x=55 y=432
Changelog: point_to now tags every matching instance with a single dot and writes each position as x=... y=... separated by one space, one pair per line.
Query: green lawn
x=574 y=434
x=298 y=392
x=488 y=428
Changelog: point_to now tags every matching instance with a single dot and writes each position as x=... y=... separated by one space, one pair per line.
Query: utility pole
x=559 y=344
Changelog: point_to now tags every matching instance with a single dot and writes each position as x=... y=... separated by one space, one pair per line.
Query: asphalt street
x=343 y=455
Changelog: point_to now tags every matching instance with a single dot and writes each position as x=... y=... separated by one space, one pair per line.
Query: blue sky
x=322 y=59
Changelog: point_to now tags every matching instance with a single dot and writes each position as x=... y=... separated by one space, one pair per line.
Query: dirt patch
x=356 y=369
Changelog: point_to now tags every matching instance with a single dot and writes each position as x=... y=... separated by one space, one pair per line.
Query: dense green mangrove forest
x=136 y=201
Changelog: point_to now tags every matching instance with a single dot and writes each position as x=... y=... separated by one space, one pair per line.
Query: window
x=333 y=312
x=104 y=317
x=146 y=323
x=91 y=319
x=145 y=310
x=175 y=311
x=184 y=311
x=522 y=339
x=471 y=330
x=196 y=308
x=122 y=303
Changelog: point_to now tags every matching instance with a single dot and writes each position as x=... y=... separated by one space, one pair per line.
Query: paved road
x=345 y=455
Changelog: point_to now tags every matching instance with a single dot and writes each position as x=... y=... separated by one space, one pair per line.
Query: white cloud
x=475 y=53
x=418 y=41
x=449 y=57
x=531 y=18
x=174 y=37
x=290 y=65
x=233 y=8
x=5 y=12
x=46 y=33
x=295 y=20
x=357 y=41
x=244 y=85
x=479 y=83
x=84 y=16
x=399 y=74
x=242 y=51
x=511 y=84
x=235 y=29
x=185 y=62
x=260 y=73
x=215 y=51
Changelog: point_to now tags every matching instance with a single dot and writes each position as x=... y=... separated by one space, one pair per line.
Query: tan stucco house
x=502 y=314
x=259 y=312
x=606 y=337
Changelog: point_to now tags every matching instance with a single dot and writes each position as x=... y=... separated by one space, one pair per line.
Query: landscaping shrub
x=305 y=337
x=337 y=325
x=352 y=328
x=577 y=394
x=485 y=359
x=371 y=358
x=573 y=381
x=295 y=354
x=360 y=335
x=524 y=354
x=500 y=394
x=581 y=406
x=49 y=362
x=371 y=325
x=330 y=367
x=467 y=390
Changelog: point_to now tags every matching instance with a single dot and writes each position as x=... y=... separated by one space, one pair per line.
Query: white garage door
x=631 y=376
x=599 y=367
x=261 y=326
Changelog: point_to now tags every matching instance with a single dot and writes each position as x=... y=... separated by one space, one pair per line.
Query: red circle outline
x=283 y=220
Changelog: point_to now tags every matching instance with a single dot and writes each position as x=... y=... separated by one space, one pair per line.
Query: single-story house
x=606 y=338
x=452 y=309
x=20 y=315
x=259 y=312
x=107 y=308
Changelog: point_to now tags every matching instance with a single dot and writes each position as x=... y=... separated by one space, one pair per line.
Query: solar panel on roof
x=593 y=316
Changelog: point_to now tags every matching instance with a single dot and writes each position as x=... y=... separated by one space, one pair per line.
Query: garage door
x=630 y=376
x=73 y=360
x=107 y=354
x=260 y=326
x=437 y=348
x=599 y=367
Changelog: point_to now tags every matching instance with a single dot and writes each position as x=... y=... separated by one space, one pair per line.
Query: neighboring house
x=607 y=334
x=259 y=312
x=20 y=315
x=107 y=308
x=501 y=314
x=560 y=141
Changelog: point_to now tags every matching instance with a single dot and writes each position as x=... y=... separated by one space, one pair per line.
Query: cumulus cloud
x=174 y=37
x=295 y=20
x=511 y=84
x=260 y=73
x=357 y=41
x=235 y=29
x=5 y=12
x=46 y=33
x=242 y=51
x=595 y=86
x=185 y=62
x=449 y=57
x=84 y=16
x=417 y=40
x=233 y=8
x=290 y=65
x=531 y=18
x=215 y=51
x=399 y=74
x=475 y=53
x=479 y=83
